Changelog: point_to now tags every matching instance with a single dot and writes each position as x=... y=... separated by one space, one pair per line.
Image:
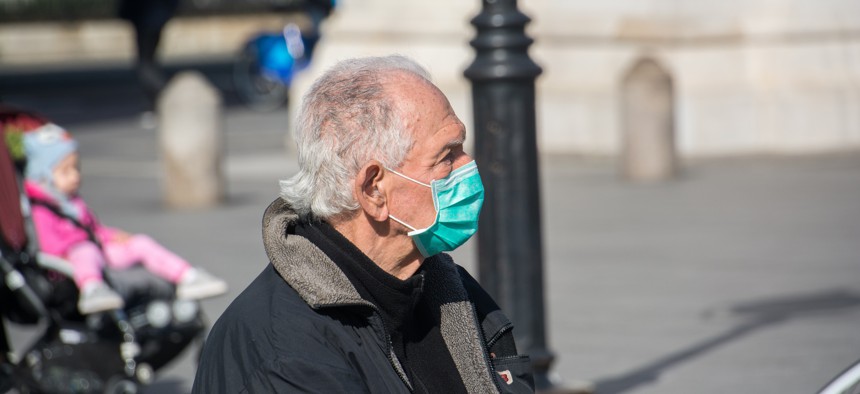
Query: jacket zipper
x=392 y=361
x=507 y=327
x=391 y=356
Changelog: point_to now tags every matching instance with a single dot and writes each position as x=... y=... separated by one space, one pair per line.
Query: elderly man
x=359 y=297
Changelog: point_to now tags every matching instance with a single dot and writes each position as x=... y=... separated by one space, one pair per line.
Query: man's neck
x=394 y=253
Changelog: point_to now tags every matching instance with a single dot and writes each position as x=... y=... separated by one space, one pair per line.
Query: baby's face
x=67 y=176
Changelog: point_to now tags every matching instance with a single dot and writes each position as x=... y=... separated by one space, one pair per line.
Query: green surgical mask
x=457 y=199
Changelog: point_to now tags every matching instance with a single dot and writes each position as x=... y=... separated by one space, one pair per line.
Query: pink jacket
x=58 y=234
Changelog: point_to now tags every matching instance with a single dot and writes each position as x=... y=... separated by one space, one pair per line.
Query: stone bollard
x=191 y=142
x=648 y=126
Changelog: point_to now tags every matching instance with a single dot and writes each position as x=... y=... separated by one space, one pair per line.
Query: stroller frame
x=113 y=352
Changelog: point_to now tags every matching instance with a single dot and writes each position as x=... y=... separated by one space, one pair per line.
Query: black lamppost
x=510 y=256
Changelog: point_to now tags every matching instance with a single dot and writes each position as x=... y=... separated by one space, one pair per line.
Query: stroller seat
x=112 y=352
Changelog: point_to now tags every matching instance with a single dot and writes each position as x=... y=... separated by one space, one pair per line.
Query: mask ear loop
x=413 y=180
x=409 y=178
x=402 y=222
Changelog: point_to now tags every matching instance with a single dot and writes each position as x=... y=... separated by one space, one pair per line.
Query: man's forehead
x=407 y=85
x=404 y=76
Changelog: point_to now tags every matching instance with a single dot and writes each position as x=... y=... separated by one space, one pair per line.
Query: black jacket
x=302 y=327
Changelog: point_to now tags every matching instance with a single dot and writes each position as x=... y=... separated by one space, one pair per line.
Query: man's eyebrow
x=455 y=142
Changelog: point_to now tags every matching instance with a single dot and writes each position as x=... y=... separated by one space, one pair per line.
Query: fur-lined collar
x=321 y=284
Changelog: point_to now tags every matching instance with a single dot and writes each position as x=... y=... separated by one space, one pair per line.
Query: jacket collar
x=301 y=264
x=320 y=283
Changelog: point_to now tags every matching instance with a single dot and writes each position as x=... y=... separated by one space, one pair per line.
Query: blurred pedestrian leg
x=317 y=11
x=148 y=17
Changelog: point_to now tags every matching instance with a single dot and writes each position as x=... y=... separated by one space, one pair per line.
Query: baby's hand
x=121 y=237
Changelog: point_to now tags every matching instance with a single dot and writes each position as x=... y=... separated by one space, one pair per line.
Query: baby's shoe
x=98 y=297
x=197 y=284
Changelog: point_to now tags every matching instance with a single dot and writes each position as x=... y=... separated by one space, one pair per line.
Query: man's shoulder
x=272 y=314
x=268 y=301
x=269 y=332
x=268 y=319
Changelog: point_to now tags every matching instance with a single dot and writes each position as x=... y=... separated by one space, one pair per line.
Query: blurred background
x=700 y=164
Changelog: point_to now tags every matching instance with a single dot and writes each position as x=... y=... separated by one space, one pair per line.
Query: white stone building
x=750 y=76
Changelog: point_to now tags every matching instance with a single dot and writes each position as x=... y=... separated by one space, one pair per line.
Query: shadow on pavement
x=756 y=316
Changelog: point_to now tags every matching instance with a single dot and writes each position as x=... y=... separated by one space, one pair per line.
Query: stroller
x=112 y=352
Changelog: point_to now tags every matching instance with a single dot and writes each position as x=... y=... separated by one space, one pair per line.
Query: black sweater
x=411 y=325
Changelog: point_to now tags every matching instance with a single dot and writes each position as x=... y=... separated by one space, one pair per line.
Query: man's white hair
x=347 y=118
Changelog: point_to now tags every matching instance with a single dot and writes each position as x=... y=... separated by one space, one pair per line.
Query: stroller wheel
x=121 y=386
x=144 y=373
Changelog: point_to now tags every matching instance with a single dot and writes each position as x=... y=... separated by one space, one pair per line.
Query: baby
x=68 y=229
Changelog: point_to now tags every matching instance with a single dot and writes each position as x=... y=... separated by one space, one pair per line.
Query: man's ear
x=370 y=191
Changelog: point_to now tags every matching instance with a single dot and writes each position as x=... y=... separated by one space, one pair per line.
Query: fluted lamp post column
x=510 y=256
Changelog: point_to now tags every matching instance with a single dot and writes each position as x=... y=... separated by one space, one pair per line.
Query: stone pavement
x=743 y=276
